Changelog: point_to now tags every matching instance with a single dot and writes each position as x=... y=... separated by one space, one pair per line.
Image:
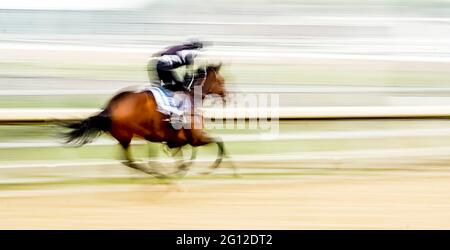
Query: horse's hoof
x=180 y=174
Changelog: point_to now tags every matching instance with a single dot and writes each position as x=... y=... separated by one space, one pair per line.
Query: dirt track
x=384 y=200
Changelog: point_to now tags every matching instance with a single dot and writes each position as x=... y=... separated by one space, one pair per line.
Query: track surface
x=407 y=199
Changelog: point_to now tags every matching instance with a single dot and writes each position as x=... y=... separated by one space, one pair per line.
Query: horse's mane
x=203 y=69
x=214 y=67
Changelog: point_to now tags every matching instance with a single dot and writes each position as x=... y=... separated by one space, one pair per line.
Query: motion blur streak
x=353 y=173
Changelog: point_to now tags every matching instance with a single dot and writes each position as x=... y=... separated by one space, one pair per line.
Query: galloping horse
x=134 y=113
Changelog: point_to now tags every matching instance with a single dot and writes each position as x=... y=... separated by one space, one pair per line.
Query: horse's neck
x=206 y=86
x=204 y=83
x=192 y=95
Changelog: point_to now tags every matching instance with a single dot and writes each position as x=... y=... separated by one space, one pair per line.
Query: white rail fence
x=267 y=137
x=42 y=116
x=23 y=116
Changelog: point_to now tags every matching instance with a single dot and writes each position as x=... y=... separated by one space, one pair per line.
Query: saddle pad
x=169 y=102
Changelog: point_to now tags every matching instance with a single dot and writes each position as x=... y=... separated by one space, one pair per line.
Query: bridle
x=203 y=80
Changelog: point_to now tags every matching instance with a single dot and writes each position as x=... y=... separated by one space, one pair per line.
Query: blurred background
x=321 y=53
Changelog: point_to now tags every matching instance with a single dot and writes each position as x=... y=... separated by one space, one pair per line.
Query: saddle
x=173 y=101
x=170 y=102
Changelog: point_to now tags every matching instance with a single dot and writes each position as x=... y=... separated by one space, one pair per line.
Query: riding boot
x=179 y=86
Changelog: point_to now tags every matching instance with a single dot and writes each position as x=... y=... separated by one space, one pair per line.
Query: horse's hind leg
x=129 y=162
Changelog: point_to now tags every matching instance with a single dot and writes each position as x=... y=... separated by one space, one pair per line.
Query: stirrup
x=174 y=117
x=177 y=121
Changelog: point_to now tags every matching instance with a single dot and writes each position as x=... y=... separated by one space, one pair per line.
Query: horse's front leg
x=200 y=138
x=223 y=154
x=175 y=149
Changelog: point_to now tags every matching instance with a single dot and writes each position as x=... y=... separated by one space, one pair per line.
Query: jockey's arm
x=190 y=62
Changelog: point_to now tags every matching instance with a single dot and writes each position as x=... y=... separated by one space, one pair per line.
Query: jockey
x=174 y=57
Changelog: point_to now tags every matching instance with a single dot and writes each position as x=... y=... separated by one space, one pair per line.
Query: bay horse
x=134 y=114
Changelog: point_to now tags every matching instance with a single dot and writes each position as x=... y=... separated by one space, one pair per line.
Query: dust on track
x=404 y=199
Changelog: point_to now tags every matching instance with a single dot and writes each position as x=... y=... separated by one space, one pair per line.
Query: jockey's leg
x=178 y=85
x=165 y=74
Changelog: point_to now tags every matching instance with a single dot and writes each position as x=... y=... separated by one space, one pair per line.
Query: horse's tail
x=87 y=130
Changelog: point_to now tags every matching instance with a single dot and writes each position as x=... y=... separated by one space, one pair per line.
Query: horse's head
x=213 y=82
